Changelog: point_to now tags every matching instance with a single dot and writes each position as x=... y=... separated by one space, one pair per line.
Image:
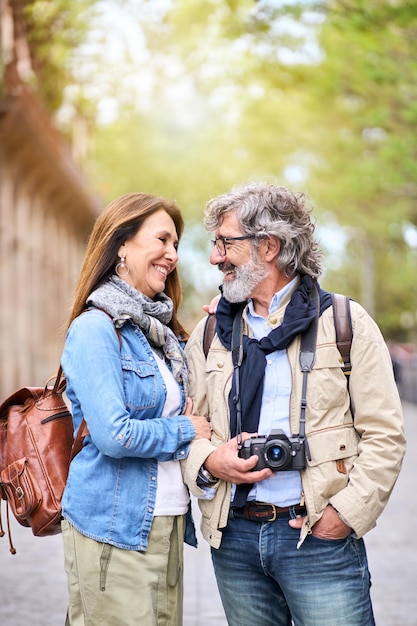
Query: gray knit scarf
x=122 y=302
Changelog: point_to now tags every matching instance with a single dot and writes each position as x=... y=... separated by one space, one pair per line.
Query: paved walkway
x=33 y=584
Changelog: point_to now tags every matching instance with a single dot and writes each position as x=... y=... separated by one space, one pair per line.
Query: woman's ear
x=122 y=251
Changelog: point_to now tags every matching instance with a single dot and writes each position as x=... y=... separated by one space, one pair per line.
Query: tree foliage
x=55 y=30
x=340 y=77
x=317 y=95
x=367 y=170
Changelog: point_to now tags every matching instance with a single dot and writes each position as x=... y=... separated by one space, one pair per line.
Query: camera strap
x=237 y=357
x=307 y=356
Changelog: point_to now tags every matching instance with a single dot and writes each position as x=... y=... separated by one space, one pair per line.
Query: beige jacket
x=353 y=466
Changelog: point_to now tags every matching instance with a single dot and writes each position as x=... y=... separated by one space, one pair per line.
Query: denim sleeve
x=91 y=361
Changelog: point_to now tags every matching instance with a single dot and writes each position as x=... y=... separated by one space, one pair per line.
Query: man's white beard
x=247 y=277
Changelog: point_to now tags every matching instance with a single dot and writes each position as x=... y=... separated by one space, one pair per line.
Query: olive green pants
x=113 y=587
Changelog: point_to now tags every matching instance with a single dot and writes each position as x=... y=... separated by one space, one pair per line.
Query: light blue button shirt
x=284 y=488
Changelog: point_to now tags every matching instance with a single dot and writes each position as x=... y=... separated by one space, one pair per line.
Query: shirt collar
x=277 y=298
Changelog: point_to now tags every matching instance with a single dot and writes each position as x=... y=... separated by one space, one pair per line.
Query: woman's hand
x=200 y=422
x=212 y=307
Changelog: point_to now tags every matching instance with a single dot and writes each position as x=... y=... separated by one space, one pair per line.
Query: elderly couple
x=291 y=468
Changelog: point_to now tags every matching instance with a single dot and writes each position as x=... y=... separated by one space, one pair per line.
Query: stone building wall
x=46 y=215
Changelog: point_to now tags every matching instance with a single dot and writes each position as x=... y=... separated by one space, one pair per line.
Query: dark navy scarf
x=298 y=316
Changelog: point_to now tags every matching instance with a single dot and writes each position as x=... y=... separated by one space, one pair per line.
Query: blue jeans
x=264 y=580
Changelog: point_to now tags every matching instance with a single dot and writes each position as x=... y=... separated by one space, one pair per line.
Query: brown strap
x=343 y=327
x=59 y=387
x=78 y=442
x=209 y=332
x=60 y=382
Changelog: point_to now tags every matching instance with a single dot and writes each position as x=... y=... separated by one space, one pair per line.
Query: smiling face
x=242 y=266
x=151 y=254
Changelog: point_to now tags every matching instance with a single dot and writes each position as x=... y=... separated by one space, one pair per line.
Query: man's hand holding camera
x=233 y=463
x=225 y=463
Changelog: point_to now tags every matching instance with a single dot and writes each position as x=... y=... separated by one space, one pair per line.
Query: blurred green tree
x=336 y=88
x=56 y=30
x=186 y=99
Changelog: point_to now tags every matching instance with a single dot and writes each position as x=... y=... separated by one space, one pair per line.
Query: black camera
x=277 y=451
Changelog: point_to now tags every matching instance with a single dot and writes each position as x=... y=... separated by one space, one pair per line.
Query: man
x=286 y=538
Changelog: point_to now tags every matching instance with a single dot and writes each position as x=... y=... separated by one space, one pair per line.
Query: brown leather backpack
x=36 y=448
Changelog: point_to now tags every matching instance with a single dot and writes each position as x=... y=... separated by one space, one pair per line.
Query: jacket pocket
x=139 y=382
x=333 y=444
x=327 y=385
x=333 y=452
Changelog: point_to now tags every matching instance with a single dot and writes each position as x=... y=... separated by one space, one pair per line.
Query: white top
x=172 y=497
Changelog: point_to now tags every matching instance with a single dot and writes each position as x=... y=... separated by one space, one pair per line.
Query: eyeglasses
x=222 y=242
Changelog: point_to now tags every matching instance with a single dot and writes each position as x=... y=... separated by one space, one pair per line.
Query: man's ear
x=270 y=247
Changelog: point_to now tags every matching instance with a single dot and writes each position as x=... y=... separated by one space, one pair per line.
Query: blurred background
x=185 y=99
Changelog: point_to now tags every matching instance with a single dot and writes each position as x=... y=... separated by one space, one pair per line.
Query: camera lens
x=277 y=454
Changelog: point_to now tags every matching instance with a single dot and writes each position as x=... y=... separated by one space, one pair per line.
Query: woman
x=125 y=502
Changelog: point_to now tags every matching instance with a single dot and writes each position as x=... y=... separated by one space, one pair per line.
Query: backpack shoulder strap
x=343 y=327
x=209 y=332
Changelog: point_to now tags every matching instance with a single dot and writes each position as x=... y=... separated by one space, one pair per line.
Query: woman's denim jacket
x=117 y=386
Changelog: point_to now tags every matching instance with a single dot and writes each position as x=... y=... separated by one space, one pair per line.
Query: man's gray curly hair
x=267 y=210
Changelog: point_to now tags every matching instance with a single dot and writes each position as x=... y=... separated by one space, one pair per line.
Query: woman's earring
x=121 y=268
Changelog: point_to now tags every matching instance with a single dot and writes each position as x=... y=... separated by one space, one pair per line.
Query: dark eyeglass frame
x=227 y=240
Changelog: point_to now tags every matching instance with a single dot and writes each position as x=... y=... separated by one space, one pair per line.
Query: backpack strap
x=209 y=332
x=343 y=327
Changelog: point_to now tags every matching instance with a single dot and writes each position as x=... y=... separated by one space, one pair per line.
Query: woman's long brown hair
x=118 y=223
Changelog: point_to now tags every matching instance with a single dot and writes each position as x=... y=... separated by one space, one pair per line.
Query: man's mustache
x=226 y=267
